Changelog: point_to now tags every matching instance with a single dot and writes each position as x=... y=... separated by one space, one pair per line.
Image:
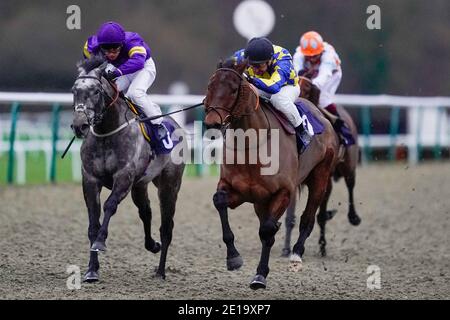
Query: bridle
x=98 y=117
x=231 y=115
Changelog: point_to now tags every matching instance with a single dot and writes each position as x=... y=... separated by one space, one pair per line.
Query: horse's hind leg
x=290 y=223
x=121 y=187
x=139 y=195
x=352 y=215
x=168 y=183
x=91 y=191
x=322 y=218
x=222 y=200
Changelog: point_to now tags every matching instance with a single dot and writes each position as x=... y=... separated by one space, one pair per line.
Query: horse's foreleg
x=222 y=200
x=139 y=195
x=352 y=215
x=91 y=191
x=121 y=187
x=322 y=218
x=269 y=226
x=317 y=183
x=290 y=223
x=168 y=187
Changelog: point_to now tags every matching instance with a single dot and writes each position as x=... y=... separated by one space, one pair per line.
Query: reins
x=231 y=116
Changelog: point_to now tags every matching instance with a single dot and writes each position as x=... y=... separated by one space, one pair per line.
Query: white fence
x=427 y=122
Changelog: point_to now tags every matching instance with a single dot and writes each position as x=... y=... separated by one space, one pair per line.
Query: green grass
x=36 y=170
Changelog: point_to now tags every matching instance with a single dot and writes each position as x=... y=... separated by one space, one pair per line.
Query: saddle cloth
x=150 y=134
x=310 y=121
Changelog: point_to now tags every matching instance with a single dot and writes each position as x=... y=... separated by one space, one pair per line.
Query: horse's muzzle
x=80 y=130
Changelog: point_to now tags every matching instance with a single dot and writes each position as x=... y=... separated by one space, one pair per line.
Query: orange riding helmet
x=311 y=44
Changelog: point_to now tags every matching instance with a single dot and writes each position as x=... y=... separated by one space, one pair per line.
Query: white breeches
x=284 y=102
x=329 y=89
x=136 y=85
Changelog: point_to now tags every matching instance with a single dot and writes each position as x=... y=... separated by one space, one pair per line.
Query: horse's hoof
x=155 y=248
x=234 y=263
x=90 y=276
x=354 y=219
x=98 y=246
x=159 y=275
x=323 y=252
x=330 y=214
x=295 y=263
x=286 y=252
x=258 y=282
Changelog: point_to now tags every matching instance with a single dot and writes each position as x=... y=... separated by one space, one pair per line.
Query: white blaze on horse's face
x=86 y=98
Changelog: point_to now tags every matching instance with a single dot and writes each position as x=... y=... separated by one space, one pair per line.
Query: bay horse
x=232 y=103
x=345 y=167
x=115 y=155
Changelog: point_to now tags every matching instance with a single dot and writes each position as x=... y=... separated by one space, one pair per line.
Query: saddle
x=287 y=126
x=134 y=109
x=310 y=121
x=150 y=134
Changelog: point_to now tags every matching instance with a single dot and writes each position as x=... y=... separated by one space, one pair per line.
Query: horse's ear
x=100 y=69
x=103 y=66
x=220 y=63
x=240 y=68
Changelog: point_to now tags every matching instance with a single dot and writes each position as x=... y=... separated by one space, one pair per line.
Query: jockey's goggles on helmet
x=110 y=46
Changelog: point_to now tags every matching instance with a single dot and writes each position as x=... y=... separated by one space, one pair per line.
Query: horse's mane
x=90 y=64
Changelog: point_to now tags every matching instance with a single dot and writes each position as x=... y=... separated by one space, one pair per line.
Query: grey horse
x=115 y=155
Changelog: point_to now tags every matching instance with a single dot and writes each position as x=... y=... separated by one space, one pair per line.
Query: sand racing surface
x=405 y=232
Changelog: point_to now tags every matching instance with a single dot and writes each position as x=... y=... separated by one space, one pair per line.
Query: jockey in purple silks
x=130 y=64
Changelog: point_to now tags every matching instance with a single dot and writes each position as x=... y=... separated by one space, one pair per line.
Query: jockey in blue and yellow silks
x=131 y=65
x=271 y=71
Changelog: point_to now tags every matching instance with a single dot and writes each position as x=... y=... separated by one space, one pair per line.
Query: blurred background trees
x=410 y=55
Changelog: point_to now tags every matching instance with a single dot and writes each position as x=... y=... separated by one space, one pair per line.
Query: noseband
x=98 y=117
x=231 y=116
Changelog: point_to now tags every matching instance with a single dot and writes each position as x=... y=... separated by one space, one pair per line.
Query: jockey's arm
x=298 y=60
x=135 y=62
x=274 y=83
x=324 y=74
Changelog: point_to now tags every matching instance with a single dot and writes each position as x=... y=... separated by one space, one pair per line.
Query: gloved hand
x=250 y=79
x=110 y=75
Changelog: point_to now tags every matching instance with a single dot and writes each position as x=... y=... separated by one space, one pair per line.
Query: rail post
x=365 y=120
x=393 y=131
x=15 y=108
x=55 y=126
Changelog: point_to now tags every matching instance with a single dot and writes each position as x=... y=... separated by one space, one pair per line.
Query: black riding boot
x=344 y=132
x=161 y=131
x=303 y=138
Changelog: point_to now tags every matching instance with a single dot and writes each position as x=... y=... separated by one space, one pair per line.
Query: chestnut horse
x=345 y=167
x=232 y=103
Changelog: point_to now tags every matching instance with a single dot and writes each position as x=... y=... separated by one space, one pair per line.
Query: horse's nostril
x=84 y=127
x=214 y=125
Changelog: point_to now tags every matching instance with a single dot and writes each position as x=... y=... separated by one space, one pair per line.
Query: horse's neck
x=259 y=119
x=114 y=117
